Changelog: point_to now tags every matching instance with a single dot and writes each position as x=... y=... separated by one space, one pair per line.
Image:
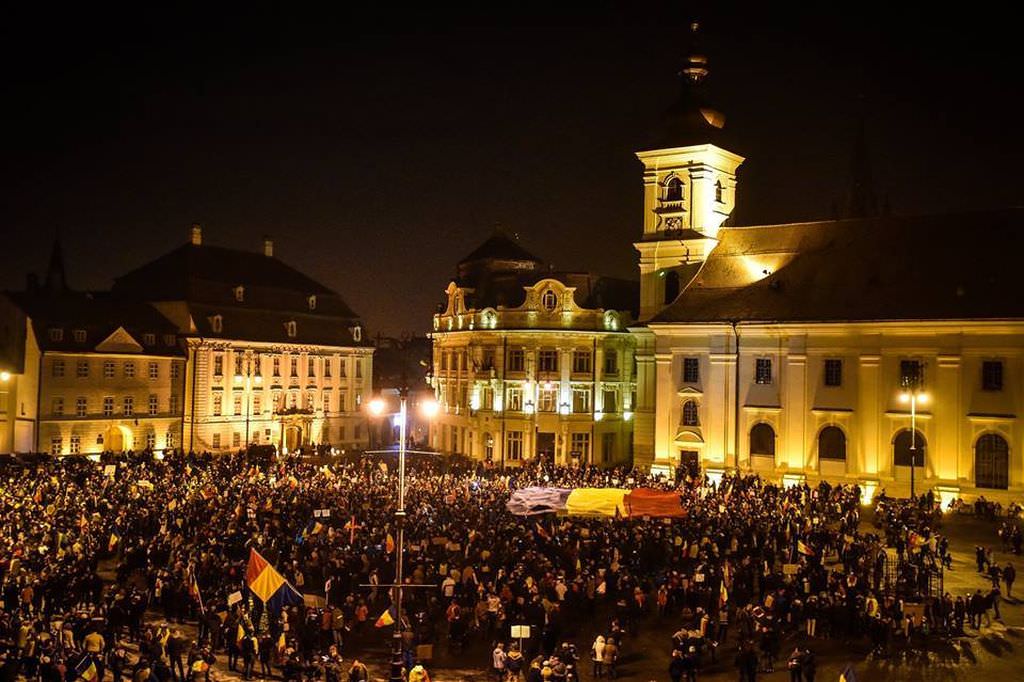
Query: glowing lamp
x=429 y=408
x=5 y=375
x=258 y=379
x=563 y=408
x=627 y=415
x=376 y=407
x=598 y=415
x=528 y=407
x=238 y=378
x=904 y=397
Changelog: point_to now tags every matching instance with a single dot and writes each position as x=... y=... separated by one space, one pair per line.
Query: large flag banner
x=86 y=669
x=270 y=586
x=804 y=549
x=654 y=503
x=385 y=619
x=596 y=502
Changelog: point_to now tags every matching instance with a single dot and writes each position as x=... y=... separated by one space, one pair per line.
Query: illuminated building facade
x=83 y=373
x=789 y=349
x=529 y=362
x=273 y=357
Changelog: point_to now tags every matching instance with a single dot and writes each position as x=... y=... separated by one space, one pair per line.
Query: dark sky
x=378 y=148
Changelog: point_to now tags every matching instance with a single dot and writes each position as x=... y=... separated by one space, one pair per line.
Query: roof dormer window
x=291 y=328
x=357 y=333
x=79 y=335
x=149 y=339
x=311 y=301
x=239 y=293
x=217 y=324
x=56 y=334
x=549 y=300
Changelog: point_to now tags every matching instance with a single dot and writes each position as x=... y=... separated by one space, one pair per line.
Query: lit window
x=295 y=367
x=217 y=324
x=291 y=328
x=763 y=371
x=581 y=361
x=56 y=446
x=239 y=294
x=514 y=446
x=581 y=400
x=312 y=302
x=218 y=365
x=217 y=406
x=276 y=366
x=514 y=399
x=75 y=446
x=579 y=445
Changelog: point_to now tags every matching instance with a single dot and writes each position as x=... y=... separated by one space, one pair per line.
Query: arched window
x=291 y=329
x=719 y=192
x=674 y=189
x=992 y=462
x=240 y=293
x=832 y=443
x=311 y=301
x=690 y=413
x=903 y=455
x=549 y=300
x=762 y=440
x=671 y=286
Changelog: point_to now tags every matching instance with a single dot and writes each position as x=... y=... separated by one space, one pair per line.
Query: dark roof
x=270 y=326
x=499 y=246
x=208 y=274
x=691 y=120
x=98 y=315
x=592 y=291
x=940 y=267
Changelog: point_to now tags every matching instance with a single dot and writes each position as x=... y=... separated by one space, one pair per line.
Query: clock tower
x=689 y=190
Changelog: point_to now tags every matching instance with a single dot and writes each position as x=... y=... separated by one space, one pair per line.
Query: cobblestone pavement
x=996 y=651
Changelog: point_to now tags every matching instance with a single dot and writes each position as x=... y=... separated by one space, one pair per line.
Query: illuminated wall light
x=947 y=494
x=563 y=409
x=474 y=402
x=528 y=407
x=598 y=415
x=498 y=403
x=627 y=415
x=867 y=491
x=5 y=376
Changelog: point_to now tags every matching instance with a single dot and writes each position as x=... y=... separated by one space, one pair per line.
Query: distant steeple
x=56 y=280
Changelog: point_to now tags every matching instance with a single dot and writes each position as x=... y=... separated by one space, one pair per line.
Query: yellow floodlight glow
x=376 y=407
x=429 y=408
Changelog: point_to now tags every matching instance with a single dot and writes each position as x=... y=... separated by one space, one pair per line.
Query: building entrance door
x=292 y=438
x=546 y=445
x=113 y=440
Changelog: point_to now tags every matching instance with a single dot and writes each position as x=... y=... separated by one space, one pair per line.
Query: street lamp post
x=429 y=410
x=913 y=395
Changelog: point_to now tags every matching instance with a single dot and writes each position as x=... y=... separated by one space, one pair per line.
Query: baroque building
x=83 y=373
x=528 y=362
x=273 y=357
x=870 y=349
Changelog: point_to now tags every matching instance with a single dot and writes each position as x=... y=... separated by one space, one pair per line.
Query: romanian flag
x=86 y=669
x=240 y=634
x=389 y=543
x=723 y=596
x=268 y=585
x=114 y=539
x=193 y=590
x=915 y=540
x=848 y=675
x=281 y=644
x=385 y=619
x=804 y=549
x=172 y=505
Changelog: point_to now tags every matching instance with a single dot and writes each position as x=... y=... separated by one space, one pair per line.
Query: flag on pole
x=281 y=644
x=193 y=590
x=268 y=585
x=389 y=543
x=114 y=539
x=723 y=595
x=804 y=548
x=86 y=669
x=351 y=527
x=385 y=619
x=848 y=675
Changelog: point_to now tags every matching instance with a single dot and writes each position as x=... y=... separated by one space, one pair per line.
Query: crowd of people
x=105 y=568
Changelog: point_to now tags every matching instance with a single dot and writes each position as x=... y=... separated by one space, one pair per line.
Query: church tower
x=689 y=193
x=689 y=189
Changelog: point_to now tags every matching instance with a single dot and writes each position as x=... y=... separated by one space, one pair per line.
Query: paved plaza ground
x=996 y=651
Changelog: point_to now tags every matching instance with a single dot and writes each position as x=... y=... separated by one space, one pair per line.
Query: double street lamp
x=252 y=375
x=428 y=409
x=914 y=395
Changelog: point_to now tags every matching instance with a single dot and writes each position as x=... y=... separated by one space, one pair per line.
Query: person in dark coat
x=1009 y=575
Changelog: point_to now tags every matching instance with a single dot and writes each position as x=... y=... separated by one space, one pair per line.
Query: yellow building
x=794 y=350
x=273 y=357
x=529 y=362
x=84 y=374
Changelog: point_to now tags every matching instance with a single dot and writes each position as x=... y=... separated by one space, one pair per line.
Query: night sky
x=378 y=148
